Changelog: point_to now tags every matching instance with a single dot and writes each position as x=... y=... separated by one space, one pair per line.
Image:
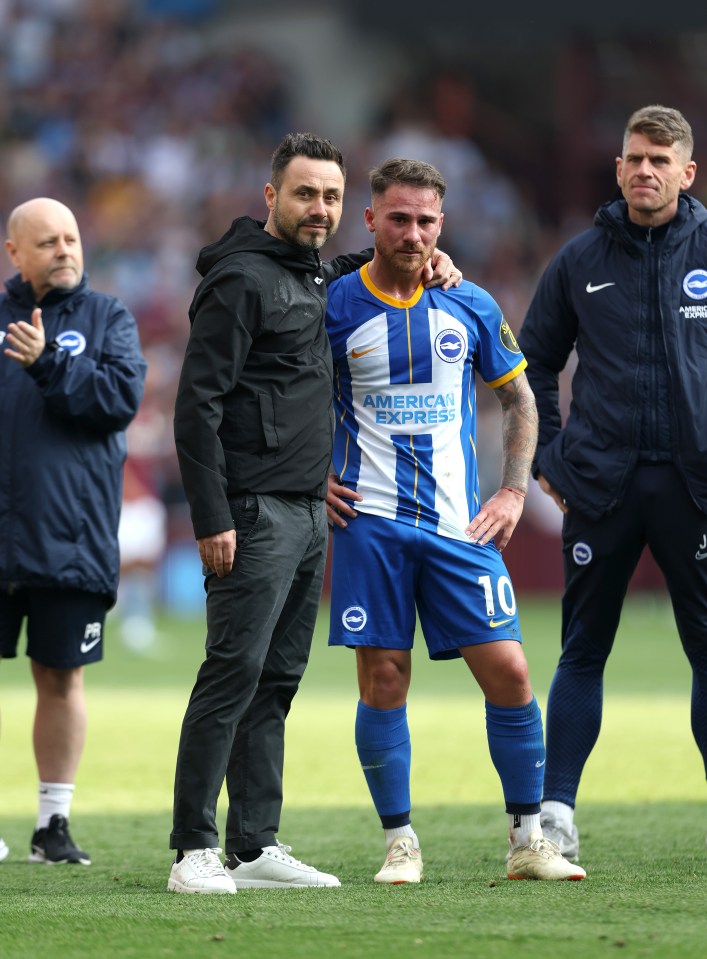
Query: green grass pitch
x=641 y=815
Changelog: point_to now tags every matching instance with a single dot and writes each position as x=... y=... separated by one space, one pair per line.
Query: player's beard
x=288 y=229
x=404 y=264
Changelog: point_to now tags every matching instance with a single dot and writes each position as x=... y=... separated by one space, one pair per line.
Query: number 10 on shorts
x=504 y=592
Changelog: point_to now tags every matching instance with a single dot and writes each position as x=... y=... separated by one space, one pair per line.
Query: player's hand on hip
x=218 y=552
x=546 y=488
x=337 y=505
x=496 y=519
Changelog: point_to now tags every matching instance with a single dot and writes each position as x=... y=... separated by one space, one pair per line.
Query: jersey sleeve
x=498 y=357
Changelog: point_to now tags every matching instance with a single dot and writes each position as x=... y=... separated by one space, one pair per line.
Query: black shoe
x=54 y=846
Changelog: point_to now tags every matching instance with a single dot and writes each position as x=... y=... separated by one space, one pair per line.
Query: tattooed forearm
x=520 y=431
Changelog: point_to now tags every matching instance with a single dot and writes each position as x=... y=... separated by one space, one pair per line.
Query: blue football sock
x=383 y=743
x=515 y=736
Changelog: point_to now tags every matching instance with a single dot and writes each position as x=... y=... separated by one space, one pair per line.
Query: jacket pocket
x=267 y=420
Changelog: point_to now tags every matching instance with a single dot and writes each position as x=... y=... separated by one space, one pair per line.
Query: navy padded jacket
x=62 y=440
x=599 y=294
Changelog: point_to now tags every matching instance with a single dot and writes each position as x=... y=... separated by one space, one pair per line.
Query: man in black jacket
x=254 y=431
x=71 y=379
x=628 y=467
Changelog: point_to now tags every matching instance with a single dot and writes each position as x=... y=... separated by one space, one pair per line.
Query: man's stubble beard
x=290 y=234
x=404 y=264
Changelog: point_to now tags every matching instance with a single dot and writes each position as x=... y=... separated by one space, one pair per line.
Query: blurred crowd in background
x=157 y=133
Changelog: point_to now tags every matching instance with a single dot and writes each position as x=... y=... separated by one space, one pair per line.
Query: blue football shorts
x=383 y=571
x=64 y=626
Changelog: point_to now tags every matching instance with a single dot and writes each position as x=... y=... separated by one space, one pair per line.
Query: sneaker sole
x=576 y=878
x=42 y=860
x=274 y=884
x=572 y=853
x=398 y=882
x=174 y=886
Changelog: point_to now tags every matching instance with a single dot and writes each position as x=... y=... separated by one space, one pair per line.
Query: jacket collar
x=613 y=216
x=21 y=292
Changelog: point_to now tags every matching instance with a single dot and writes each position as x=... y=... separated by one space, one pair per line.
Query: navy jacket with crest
x=62 y=440
x=608 y=292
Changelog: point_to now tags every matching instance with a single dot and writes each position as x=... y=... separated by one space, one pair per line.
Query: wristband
x=518 y=492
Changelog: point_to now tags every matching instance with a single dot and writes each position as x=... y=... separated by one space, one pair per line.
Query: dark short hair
x=410 y=172
x=303 y=145
x=662 y=125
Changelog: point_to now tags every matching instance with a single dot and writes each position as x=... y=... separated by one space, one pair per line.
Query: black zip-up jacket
x=62 y=442
x=254 y=406
x=601 y=293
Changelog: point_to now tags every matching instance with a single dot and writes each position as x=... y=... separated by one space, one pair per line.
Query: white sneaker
x=402 y=864
x=4 y=849
x=200 y=870
x=557 y=832
x=541 y=859
x=276 y=869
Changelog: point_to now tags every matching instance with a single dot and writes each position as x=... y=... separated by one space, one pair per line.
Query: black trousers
x=260 y=620
x=600 y=557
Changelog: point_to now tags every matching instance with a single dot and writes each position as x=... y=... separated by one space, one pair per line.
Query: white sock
x=53 y=798
x=523 y=829
x=391 y=834
x=561 y=812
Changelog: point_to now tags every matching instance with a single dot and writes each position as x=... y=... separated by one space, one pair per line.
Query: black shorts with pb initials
x=64 y=626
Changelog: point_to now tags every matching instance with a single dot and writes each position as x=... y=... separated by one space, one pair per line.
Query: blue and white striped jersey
x=405 y=399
